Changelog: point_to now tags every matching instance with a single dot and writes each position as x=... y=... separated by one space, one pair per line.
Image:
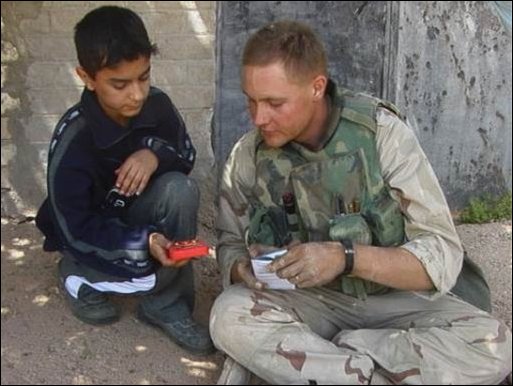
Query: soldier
x=383 y=291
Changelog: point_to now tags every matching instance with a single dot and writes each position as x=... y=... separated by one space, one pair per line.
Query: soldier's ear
x=88 y=80
x=319 y=86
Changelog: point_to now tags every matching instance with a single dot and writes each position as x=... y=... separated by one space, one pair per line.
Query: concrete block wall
x=39 y=84
x=446 y=64
x=453 y=80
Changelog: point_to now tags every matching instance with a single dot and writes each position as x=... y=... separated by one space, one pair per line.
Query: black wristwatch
x=349 y=252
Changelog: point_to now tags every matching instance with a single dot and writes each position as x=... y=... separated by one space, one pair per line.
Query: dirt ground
x=42 y=343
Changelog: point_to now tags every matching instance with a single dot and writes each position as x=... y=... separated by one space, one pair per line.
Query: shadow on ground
x=42 y=343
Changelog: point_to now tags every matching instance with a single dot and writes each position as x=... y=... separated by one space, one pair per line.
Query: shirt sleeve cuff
x=432 y=266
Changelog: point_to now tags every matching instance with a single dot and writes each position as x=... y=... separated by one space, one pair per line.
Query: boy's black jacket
x=86 y=148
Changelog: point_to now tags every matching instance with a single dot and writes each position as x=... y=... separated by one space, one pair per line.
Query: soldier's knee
x=225 y=323
x=217 y=316
x=502 y=349
x=495 y=346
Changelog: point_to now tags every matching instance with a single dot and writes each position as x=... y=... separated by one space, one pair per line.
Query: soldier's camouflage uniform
x=352 y=331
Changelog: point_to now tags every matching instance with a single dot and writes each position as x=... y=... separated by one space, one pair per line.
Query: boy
x=118 y=190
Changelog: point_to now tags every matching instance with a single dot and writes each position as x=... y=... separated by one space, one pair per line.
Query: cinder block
x=199 y=22
x=53 y=75
x=96 y=4
x=189 y=4
x=42 y=156
x=168 y=72
x=163 y=22
x=186 y=47
x=188 y=97
x=64 y=20
x=51 y=48
x=59 y=5
x=56 y=101
x=6 y=130
x=198 y=122
x=9 y=52
x=6 y=181
x=201 y=72
x=9 y=103
x=39 y=127
x=156 y=6
x=5 y=70
x=8 y=152
x=34 y=26
x=206 y=4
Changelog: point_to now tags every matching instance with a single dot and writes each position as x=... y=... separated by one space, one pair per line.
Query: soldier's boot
x=176 y=321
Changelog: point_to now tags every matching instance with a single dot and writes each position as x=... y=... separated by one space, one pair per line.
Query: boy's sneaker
x=177 y=323
x=92 y=306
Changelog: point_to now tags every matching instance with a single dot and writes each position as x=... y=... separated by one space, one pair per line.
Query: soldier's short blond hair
x=290 y=42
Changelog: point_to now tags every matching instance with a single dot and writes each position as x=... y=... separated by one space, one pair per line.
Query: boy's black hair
x=108 y=35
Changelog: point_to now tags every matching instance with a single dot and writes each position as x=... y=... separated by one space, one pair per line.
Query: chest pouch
x=385 y=219
x=350 y=227
x=268 y=226
x=326 y=191
x=321 y=186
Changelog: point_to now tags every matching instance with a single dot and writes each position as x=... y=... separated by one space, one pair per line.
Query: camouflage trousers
x=321 y=336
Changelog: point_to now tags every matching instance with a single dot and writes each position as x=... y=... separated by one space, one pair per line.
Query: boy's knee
x=178 y=183
x=178 y=187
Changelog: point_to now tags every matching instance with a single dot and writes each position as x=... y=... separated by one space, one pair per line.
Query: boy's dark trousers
x=170 y=203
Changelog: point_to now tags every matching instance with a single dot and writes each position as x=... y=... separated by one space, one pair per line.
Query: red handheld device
x=184 y=250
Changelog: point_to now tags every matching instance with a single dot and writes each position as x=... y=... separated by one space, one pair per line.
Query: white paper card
x=272 y=281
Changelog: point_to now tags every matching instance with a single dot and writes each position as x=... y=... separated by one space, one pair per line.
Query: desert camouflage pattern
x=404 y=174
x=340 y=193
x=322 y=335
x=331 y=181
x=319 y=336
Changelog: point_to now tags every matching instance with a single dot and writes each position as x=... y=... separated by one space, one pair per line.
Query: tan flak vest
x=339 y=191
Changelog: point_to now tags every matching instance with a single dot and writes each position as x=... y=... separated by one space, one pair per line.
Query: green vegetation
x=487 y=209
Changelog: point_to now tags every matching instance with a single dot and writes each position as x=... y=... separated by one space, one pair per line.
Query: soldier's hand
x=159 y=245
x=310 y=264
x=243 y=273
x=242 y=270
x=133 y=175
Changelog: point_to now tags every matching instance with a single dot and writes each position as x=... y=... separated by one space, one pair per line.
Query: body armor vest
x=339 y=191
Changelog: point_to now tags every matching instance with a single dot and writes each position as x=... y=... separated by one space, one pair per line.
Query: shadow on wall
x=39 y=82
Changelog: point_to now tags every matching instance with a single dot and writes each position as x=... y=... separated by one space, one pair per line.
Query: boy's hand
x=134 y=174
x=159 y=245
